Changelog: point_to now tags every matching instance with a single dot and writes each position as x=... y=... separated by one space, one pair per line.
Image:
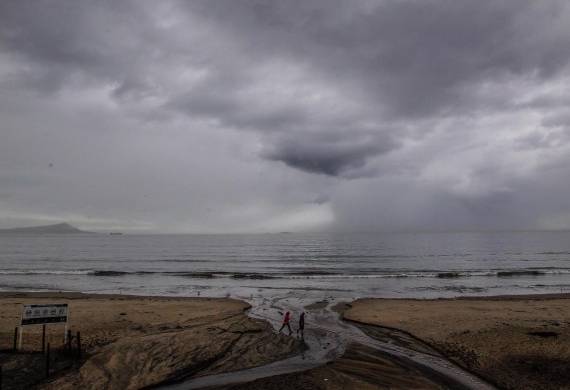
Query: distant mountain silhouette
x=60 y=228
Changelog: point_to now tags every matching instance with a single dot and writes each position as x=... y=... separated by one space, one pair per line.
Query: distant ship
x=115 y=234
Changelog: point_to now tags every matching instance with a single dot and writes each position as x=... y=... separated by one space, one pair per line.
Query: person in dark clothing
x=286 y=321
x=301 y=328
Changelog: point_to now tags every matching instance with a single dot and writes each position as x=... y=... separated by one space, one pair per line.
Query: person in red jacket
x=286 y=321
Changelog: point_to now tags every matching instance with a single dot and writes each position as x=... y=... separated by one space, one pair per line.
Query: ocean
x=319 y=266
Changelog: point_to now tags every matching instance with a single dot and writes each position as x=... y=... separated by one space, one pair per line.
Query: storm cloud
x=341 y=154
x=236 y=116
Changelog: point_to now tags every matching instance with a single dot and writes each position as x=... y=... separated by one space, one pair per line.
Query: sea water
x=340 y=265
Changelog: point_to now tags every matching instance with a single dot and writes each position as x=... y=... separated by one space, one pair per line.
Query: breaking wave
x=309 y=274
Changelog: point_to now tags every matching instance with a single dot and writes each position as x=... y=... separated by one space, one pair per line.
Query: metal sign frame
x=51 y=313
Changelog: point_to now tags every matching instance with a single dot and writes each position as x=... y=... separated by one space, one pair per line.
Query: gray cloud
x=412 y=58
x=235 y=115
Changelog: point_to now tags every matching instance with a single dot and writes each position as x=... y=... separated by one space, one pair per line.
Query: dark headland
x=60 y=228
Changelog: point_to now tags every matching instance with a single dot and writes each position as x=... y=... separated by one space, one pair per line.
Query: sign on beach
x=44 y=314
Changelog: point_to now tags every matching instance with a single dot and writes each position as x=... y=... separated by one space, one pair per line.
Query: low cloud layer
x=301 y=115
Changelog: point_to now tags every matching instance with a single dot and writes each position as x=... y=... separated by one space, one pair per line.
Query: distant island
x=60 y=228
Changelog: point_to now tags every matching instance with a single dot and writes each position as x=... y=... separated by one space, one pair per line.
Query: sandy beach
x=516 y=342
x=135 y=342
x=138 y=342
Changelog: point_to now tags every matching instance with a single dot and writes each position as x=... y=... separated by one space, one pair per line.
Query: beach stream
x=326 y=338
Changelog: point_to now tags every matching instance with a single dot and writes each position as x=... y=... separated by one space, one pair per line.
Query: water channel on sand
x=327 y=337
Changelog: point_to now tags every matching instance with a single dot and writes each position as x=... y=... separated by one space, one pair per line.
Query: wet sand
x=515 y=341
x=341 y=356
x=360 y=368
x=135 y=342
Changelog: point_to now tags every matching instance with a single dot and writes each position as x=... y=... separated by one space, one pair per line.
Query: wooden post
x=65 y=335
x=78 y=345
x=15 y=339
x=44 y=338
x=47 y=361
x=21 y=334
x=69 y=341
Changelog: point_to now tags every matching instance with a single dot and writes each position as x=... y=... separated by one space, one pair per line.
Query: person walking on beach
x=301 y=328
x=286 y=321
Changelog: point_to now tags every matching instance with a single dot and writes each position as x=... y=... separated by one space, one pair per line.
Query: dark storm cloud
x=322 y=158
x=449 y=108
x=342 y=154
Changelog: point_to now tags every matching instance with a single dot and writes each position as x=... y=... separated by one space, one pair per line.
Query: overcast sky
x=264 y=116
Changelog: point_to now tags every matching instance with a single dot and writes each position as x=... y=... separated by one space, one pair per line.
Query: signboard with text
x=44 y=314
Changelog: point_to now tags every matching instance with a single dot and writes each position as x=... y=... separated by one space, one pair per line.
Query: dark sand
x=520 y=342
